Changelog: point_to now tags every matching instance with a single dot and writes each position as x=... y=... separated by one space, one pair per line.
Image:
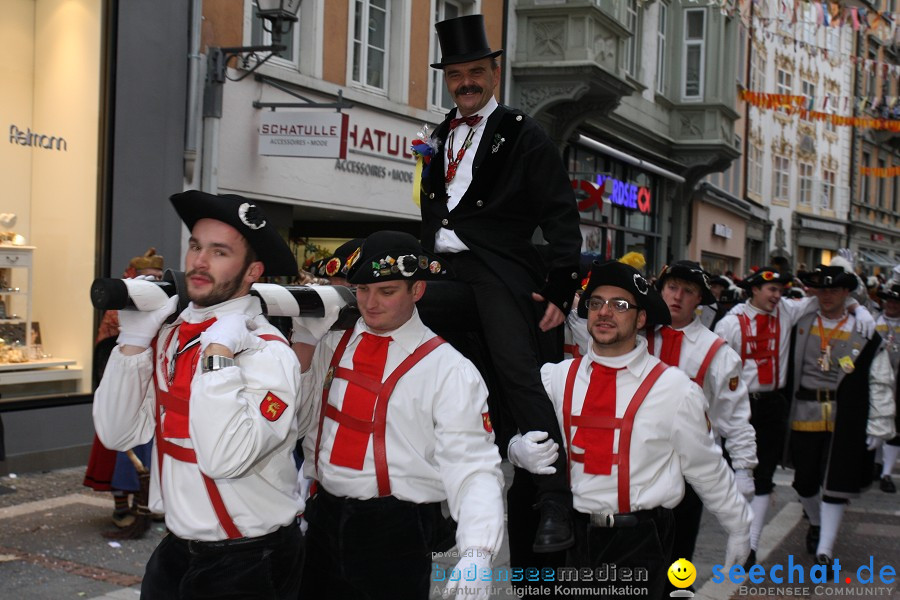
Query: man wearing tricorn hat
x=495 y=178
x=843 y=406
x=218 y=388
x=635 y=430
x=759 y=331
x=402 y=424
x=888 y=327
x=716 y=368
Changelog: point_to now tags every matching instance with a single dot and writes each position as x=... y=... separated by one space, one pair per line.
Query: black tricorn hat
x=764 y=276
x=823 y=277
x=615 y=273
x=336 y=264
x=393 y=255
x=245 y=216
x=463 y=39
x=691 y=271
x=889 y=291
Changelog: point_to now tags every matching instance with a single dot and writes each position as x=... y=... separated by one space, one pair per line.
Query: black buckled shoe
x=812 y=539
x=887 y=485
x=555 y=531
x=824 y=560
x=751 y=560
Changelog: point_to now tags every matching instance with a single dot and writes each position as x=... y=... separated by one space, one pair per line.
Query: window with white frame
x=808 y=90
x=632 y=43
x=872 y=70
x=829 y=178
x=260 y=36
x=805 y=183
x=757 y=70
x=864 y=179
x=694 y=53
x=370 y=43
x=440 y=97
x=832 y=40
x=829 y=124
x=754 y=169
x=784 y=82
x=661 y=66
x=742 y=53
x=781 y=183
x=880 y=185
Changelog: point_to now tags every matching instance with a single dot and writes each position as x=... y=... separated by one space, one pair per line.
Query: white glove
x=310 y=330
x=846 y=253
x=301 y=491
x=865 y=324
x=744 y=480
x=138 y=328
x=873 y=443
x=472 y=583
x=737 y=549
x=232 y=330
x=534 y=452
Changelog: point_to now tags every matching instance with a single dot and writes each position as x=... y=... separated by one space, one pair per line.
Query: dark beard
x=221 y=292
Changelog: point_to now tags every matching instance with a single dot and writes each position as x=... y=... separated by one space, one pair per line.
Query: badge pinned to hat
x=690 y=271
x=248 y=218
x=391 y=256
x=618 y=274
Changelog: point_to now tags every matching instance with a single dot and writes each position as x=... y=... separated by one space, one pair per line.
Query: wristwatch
x=214 y=362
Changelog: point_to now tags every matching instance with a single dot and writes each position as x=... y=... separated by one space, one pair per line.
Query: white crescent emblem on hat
x=641 y=284
x=242 y=213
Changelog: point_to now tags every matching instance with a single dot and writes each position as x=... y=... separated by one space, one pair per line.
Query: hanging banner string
x=799 y=105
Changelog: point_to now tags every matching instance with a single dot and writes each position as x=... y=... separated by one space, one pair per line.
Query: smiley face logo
x=682 y=573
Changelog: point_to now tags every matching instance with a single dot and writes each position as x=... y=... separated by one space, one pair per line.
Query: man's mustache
x=469 y=89
x=201 y=274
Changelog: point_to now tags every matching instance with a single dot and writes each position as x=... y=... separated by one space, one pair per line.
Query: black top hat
x=823 y=277
x=628 y=278
x=245 y=216
x=463 y=39
x=691 y=271
x=764 y=276
x=393 y=255
x=336 y=264
x=889 y=291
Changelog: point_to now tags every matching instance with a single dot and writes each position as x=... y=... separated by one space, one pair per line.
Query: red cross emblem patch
x=272 y=407
x=486 y=421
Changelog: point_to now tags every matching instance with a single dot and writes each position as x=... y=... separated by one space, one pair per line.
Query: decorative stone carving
x=782 y=147
x=783 y=61
x=689 y=125
x=810 y=74
x=532 y=96
x=605 y=48
x=548 y=39
x=806 y=148
x=780 y=234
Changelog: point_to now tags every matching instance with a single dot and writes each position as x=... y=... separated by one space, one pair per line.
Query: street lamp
x=280 y=16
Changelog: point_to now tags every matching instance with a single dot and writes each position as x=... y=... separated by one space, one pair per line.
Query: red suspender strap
x=567 y=408
x=381 y=405
x=271 y=337
x=219 y=507
x=338 y=354
x=378 y=426
x=624 y=450
x=707 y=360
x=572 y=350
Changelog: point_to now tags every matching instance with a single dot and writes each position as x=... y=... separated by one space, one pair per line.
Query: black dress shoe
x=751 y=560
x=824 y=560
x=812 y=539
x=887 y=485
x=554 y=532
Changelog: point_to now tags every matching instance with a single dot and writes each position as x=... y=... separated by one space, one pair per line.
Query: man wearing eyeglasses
x=635 y=430
x=716 y=368
x=760 y=330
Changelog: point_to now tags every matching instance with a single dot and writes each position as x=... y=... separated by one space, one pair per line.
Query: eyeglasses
x=618 y=305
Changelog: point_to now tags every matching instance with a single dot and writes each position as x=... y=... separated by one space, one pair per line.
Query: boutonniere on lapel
x=498 y=141
x=423 y=148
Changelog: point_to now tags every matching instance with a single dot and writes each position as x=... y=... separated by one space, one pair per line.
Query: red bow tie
x=471 y=121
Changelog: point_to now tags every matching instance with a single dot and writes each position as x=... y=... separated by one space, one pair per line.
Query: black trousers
x=809 y=453
x=368 y=549
x=768 y=415
x=645 y=546
x=263 y=568
x=516 y=349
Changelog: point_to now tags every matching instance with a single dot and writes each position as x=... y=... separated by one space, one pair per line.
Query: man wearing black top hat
x=494 y=179
x=635 y=430
x=217 y=391
x=843 y=405
x=401 y=425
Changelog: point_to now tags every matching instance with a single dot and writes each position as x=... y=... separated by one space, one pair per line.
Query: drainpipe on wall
x=193 y=98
